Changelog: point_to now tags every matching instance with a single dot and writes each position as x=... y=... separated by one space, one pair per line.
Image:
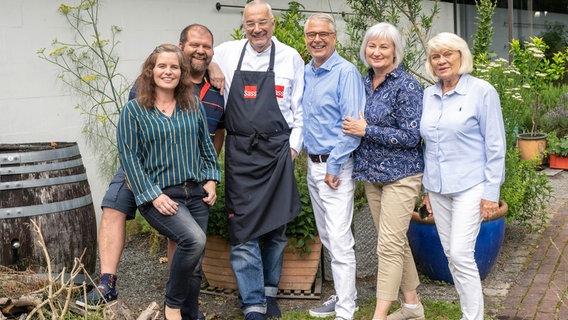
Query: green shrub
x=526 y=190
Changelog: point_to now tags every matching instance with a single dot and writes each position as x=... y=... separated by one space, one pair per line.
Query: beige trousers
x=391 y=205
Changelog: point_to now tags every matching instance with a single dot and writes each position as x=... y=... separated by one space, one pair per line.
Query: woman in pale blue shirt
x=464 y=157
x=170 y=163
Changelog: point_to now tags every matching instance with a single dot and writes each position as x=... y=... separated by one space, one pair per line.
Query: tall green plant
x=407 y=15
x=483 y=37
x=88 y=65
x=537 y=72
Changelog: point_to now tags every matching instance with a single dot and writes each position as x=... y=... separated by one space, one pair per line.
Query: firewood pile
x=26 y=295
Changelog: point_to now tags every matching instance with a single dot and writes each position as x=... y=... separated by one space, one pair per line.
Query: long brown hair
x=184 y=91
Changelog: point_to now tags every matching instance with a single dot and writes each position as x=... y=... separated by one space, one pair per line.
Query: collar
x=266 y=51
x=395 y=73
x=329 y=63
x=461 y=87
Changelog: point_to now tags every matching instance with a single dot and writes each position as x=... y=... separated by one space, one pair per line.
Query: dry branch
x=151 y=313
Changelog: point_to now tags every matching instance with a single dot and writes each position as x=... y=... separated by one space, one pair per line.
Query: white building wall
x=36 y=107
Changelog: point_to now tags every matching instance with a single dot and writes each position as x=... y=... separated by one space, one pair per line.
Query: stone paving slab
x=541 y=291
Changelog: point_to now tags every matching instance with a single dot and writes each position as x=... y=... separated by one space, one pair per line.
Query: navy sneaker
x=103 y=293
x=97 y=297
x=272 y=309
x=255 y=316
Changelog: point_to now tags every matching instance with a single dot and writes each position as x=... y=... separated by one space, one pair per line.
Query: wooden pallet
x=313 y=293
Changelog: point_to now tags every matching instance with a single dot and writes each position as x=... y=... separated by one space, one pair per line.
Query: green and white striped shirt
x=157 y=151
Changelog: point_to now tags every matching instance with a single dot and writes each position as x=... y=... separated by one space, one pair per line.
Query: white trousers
x=458 y=220
x=333 y=210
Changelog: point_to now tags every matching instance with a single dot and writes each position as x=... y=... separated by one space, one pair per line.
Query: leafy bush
x=526 y=190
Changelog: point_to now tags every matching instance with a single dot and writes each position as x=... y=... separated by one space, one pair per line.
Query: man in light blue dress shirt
x=333 y=89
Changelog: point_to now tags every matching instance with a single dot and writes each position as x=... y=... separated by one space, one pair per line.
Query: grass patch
x=439 y=310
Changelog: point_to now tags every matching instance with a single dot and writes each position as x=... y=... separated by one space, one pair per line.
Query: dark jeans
x=186 y=228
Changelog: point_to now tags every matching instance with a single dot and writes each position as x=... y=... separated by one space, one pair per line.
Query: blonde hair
x=449 y=41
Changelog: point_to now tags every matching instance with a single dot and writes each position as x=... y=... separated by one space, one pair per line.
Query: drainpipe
x=456 y=16
x=510 y=22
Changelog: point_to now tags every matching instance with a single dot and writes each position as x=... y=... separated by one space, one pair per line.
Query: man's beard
x=200 y=66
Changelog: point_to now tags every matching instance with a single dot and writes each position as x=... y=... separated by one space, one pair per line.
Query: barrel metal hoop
x=42 y=182
x=41 y=167
x=30 y=211
x=35 y=156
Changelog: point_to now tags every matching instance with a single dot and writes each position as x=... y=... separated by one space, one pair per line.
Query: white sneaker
x=405 y=313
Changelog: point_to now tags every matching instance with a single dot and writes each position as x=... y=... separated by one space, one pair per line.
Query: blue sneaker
x=97 y=297
x=272 y=309
x=255 y=316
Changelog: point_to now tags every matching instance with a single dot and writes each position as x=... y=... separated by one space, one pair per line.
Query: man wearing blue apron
x=263 y=119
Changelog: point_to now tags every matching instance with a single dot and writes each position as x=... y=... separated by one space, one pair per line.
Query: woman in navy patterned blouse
x=389 y=160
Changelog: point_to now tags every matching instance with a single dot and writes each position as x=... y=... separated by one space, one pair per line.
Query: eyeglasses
x=251 y=25
x=446 y=54
x=322 y=35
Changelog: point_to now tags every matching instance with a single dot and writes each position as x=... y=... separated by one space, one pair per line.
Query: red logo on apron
x=250 y=92
x=279 y=91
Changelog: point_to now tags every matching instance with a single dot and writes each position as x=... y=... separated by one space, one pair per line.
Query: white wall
x=36 y=107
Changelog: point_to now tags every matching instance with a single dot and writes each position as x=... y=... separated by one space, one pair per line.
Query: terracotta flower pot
x=298 y=271
x=558 y=162
x=429 y=255
x=531 y=145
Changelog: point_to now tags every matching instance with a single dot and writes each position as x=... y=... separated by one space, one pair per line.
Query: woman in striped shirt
x=170 y=162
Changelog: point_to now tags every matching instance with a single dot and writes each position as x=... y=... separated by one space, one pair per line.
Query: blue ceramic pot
x=430 y=258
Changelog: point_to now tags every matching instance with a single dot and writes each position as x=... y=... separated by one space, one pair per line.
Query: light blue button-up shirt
x=331 y=92
x=464 y=138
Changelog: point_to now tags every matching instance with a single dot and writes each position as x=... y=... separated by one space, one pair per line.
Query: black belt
x=318 y=157
x=321 y=157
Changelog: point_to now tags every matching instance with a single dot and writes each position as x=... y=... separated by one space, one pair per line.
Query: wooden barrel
x=46 y=183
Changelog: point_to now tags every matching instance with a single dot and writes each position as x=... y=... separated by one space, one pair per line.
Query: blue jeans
x=186 y=232
x=257 y=265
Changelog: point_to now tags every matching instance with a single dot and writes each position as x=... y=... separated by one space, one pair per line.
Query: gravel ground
x=142 y=277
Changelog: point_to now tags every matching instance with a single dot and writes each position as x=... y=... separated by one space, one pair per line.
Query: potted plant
x=558 y=151
x=301 y=257
x=539 y=74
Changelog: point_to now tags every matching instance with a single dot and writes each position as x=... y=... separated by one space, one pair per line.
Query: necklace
x=165 y=108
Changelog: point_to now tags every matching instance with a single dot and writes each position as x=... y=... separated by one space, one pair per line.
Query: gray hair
x=253 y=2
x=449 y=41
x=321 y=16
x=386 y=31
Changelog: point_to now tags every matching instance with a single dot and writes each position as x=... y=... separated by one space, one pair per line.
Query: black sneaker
x=272 y=309
x=97 y=297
